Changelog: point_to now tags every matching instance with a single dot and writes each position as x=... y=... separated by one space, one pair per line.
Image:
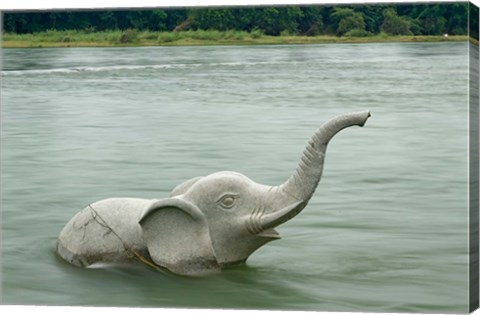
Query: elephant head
x=215 y=221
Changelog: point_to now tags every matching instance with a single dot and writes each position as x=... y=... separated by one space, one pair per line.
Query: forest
x=312 y=20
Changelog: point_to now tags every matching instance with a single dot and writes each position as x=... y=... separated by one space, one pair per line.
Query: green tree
x=174 y=18
x=394 y=24
x=273 y=21
x=290 y=18
x=215 y=19
x=137 y=19
x=16 y=22
x=266 y=19
x=107 y=21
x=457 y=23
x=473 y=23
x=433 y=21
x=157 y=20
x=419 y=19
x=312 y=22
x=348 y=20
x=429 y=18
x=373 y=16
x=245 y=19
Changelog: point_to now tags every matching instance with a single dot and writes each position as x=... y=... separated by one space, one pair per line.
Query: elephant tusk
x=276 y=218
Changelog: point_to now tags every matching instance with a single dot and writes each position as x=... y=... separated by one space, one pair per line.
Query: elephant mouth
x=263 y=225
x=270 y=233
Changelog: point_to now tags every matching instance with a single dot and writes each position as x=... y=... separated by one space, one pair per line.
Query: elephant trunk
x=302 y=183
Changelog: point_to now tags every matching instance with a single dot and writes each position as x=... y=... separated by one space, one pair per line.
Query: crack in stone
x=130 y=251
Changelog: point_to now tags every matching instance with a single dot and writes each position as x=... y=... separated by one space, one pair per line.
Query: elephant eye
x=227 y=201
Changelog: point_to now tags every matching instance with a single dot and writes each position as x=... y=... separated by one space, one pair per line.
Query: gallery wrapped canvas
x=192 y=137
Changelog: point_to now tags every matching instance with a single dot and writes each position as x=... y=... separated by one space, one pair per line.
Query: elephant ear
x=177 y=237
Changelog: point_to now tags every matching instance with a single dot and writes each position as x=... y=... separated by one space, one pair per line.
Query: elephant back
x=106 y=231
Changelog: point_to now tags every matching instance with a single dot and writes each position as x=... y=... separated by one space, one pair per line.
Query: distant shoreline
x=132 y=38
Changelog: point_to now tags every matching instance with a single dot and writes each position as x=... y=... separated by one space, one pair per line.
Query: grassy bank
x=186 y=38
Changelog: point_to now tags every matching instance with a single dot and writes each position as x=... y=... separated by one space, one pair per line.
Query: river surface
x=386 y=230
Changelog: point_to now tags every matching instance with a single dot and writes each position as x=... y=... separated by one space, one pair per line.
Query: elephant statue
x=206 y=224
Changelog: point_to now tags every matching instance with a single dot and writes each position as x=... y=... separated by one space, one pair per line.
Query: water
x=386 y=230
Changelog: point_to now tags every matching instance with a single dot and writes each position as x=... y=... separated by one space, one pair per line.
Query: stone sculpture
x=206 y=224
